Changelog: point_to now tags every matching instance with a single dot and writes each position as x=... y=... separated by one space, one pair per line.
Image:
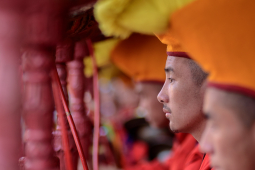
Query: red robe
x=183 y=156
x=194 y=160
x=206 y=163
x=181 y=153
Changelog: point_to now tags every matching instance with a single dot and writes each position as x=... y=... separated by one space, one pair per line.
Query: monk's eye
x=171 y=80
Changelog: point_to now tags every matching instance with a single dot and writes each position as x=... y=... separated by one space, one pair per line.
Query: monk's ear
x=203 y=88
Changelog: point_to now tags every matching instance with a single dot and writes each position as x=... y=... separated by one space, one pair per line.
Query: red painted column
x=64 y=54
x=76 y=86
x=11 y=29
x=38 y=109
x=44 y=29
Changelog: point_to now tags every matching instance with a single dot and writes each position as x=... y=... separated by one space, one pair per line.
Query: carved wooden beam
x=44 y=29
x=38 y=109
x=82 y=25
x=81 y=3
x=64 y=54
x=76 y=87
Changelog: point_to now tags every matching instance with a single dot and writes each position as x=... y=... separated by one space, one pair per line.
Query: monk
x=230 y=132
x=139 y=56
x=229 y=58
x=184 y=86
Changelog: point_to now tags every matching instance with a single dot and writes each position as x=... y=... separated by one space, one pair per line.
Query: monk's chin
x=174 y=130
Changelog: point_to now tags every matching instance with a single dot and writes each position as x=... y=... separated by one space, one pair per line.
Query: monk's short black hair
x=242 y=105
x=198 y=75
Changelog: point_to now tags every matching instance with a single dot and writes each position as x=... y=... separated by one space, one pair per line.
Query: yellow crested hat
x=220 y=36
x=141 y=57
x=122 y=17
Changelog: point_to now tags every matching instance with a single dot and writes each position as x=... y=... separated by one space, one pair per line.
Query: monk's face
x=149 y=105
x=230 y=144
x=182 y=99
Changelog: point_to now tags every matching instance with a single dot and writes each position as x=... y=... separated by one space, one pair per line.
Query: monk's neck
x=198 y=131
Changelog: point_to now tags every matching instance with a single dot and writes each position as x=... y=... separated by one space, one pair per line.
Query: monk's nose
x=205 y=142
x=162 y=96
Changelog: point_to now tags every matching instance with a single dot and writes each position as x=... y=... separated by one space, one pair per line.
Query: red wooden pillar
x=11 y=29
x=44 y=29
x=38 y=109
x=64 y=54
x=76 y=86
